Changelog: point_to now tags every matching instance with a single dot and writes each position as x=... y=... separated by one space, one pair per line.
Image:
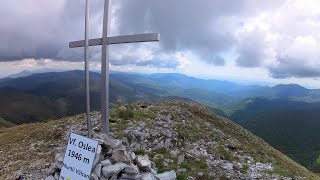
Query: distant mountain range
x=286 y=116
x=28 y=73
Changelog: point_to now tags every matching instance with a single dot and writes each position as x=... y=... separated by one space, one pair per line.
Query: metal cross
x=105 y=41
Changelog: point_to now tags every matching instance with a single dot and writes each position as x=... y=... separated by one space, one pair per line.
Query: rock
x=133 y=155
x=106 y=162
x=97 y=170
x=94 y=176
x=160 y=145
x=182 y=170
x=144 y=163
x=147 y=176
x=174 y=153
x=122 y=108
x=153 y=165
x=131 y=170
x=50 y=178
x=59 y=160
x=52 y=169
x=112 y=170
x=114 y=177
x=165 y=164
x=120 y=155
x=103 y=178
x=125 y=141
x=200 y=173
x=169 y=175
x=116 y=144
x=154 y=171
x=131 y=177
x=97 y=157
x=167 y=143
x=180 y=159
x=59 y=149
x=229 y=166
x=166 y=132
x=56 y=175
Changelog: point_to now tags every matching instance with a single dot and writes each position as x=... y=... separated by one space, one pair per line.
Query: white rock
x=94 y=176
x=133 y=155
x=97 y=170
x=174 y=153
x=131 y=170
x=106 y=162
x=52 y=169
x=169 y=175
x=50 y=178
x=56 y=175
x=229 y=166
x=182 y=170
x=120 y=155
x=97 y=157
x=147 y=176
x=153 y=171
x=126 y=176
x=165 y=164
x=143 y=163
x=112 y=170
x=103 y=178
x=114 y=177
x=167 y=143
x=180 y=159
x=166 y=132
x=59 y=160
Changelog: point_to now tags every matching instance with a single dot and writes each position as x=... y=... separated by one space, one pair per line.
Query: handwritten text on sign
x=77 y=163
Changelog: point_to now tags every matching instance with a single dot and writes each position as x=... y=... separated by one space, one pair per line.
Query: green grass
x=143 y=114
x=140 y=152
x=244 y=169
x=6 y=124
x=199 y=127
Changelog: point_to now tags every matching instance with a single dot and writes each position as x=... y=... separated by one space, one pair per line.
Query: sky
x=246 y=41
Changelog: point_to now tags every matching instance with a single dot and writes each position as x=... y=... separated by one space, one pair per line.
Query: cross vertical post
x=105 y=41
x=86 y=59
x=105 y=70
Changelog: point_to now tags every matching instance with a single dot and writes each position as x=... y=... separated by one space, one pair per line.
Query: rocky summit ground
x=175 y=135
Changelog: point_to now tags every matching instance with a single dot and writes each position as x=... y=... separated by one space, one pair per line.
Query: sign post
x=78 y=159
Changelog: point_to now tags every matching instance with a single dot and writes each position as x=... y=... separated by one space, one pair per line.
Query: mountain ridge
x=178 y=135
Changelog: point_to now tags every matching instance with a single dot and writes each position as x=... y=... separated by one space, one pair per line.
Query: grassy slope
x=23 y=146
x=5 y=124
x=291 y=127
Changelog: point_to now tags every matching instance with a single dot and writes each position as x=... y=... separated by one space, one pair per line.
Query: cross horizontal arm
x=119 y=40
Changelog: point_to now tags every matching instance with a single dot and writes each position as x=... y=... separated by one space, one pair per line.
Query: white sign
x=77 y=163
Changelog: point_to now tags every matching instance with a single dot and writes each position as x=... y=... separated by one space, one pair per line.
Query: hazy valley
x=286 y=116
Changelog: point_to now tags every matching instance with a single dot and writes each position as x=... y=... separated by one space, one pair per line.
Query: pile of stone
x=114 y=161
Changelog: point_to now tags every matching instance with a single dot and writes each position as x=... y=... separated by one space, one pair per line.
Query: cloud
x=206 y=28
x=33 y=29
x=218 y=61
x=299 y=59
x=42 y=29
x=284 y=40
x=281 y=36
x=251 y=49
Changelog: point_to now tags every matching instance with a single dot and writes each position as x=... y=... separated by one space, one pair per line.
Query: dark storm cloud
x=205 y=27
x=42 y=29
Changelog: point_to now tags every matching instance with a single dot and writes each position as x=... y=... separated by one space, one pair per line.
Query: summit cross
x=105 y=41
